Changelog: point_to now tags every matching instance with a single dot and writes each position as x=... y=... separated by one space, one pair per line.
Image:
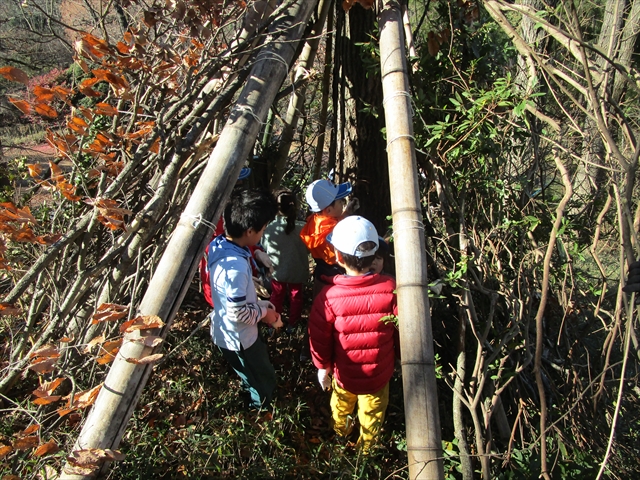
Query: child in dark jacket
x=237 y=310
x=348 y=335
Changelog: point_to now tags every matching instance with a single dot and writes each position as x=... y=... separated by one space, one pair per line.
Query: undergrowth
x=190 y=422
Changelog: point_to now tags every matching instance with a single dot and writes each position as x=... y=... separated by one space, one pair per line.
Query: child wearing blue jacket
x=237 y=310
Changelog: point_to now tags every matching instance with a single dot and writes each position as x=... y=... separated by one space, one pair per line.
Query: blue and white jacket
x=236 y=313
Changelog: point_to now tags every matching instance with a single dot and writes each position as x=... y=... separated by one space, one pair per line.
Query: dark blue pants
x=255 y=370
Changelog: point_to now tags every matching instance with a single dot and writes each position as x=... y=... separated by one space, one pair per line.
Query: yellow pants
x=371 y=409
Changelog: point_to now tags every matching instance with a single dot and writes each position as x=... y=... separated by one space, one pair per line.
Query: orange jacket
x=314 y=236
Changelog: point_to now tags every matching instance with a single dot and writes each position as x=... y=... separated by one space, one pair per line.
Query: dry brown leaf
x=47 y=400
x=47 y=449
x=21 y=105
x=43 y=365
x=49 y=351
x=48 y=388
x=105 y=109
x=5 y=450
x=77 y=470
x=94 y=341
x=151 y=341
x=25 y=443
x=9 y=309
x=146 y=360
x=108 y=312
x=93 y=457
x=45 y=110
x=29 y=430
x=35 y=170
x=14 y=74
x=86 y=398
x=141 y=323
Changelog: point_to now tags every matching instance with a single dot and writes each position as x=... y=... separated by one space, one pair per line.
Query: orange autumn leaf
x=48 y=448
x=61 y=92
x=5 y=450
x=43 y=365
x=45 y=392
x=47 y=400
x=25 y=443
x=21 y=105
x=108 y=312
x=68 y=191
x=9 y=212
x=105 y=109
x=9 y=309
x=56 y=172
x=141 y=323
x=43 y=95
x=146 y=360
x=14 y=74
x=46 y=351
x=93 y=342
x=29 y=430
x=81 y=400
x=88 y=114
x=35 y=170
x=155 y=147
x=108 y=351
x=45 y=110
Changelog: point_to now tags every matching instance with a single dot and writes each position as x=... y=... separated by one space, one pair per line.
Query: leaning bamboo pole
x=123 y=386
x=418 y=368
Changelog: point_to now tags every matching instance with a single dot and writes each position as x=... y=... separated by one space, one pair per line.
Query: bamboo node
x=411 y=137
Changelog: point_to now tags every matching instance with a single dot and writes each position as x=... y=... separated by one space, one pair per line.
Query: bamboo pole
x=424 y=447
x=123 y=386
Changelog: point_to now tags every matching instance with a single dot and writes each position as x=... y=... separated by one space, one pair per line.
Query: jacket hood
x=220 y=247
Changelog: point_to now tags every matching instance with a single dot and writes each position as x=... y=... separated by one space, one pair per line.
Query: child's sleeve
x=238 y=309
x=321 y=320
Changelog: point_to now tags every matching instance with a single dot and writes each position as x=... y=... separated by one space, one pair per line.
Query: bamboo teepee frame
x=125 y=381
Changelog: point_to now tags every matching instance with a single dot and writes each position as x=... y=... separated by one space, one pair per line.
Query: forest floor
x=190 y=421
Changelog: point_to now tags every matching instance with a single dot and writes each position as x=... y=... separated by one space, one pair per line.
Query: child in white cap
x=348 y=338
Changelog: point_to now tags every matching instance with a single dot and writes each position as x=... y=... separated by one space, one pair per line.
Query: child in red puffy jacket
x=350 y=333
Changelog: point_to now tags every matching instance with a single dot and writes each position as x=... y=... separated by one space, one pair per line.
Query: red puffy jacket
x=347 y=336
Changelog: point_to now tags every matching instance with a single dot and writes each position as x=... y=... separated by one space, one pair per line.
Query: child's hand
x=267 y=304
x=264 y=259
x=272 y=318
x=352 y=206
x=324 y=379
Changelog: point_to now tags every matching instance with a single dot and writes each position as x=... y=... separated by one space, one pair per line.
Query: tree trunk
x=424 y=447
x=326 y=81
x=123 y=386
x=360 y=144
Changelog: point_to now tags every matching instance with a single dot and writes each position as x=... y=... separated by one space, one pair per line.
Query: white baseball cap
x=322 y=193
x=350 y=232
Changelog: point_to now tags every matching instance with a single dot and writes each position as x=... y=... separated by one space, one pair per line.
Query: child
x=237 y=310
x=289 y=256
x=328 y=204
x=348 y=337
